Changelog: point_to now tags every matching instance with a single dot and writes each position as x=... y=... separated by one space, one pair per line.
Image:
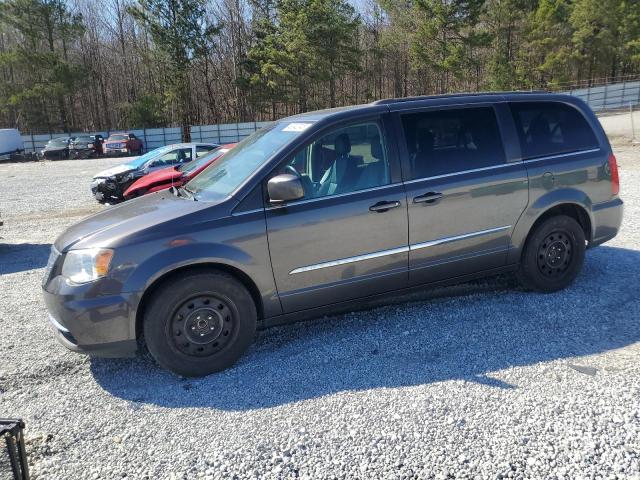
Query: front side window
x=551 y=128
x=450 y=141
x=346 y=160
x=180 y=155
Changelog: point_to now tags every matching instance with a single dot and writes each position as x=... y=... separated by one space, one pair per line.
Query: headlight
x=86 y=265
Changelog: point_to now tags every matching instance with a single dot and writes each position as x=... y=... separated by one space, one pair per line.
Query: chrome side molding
x=393 y=251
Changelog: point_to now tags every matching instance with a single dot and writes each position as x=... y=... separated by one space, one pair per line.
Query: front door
x=464 y=194
x=347 y=238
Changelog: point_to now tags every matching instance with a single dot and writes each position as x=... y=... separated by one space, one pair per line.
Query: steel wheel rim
x=203 y=325
x=555 y=254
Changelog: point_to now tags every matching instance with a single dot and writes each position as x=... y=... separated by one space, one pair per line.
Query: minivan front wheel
x=199 y=323
x=553 y=255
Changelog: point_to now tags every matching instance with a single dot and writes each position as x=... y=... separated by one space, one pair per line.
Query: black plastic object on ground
x=13 y=457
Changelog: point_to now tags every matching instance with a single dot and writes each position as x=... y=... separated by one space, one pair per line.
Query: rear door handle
x=429 y=197
x=384 y=206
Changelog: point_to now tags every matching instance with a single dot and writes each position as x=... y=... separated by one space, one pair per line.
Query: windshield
x=82 y=140
x=119 y=137
x=221 y=178
x=187 y=168
x=142 y=159
x=58 y=142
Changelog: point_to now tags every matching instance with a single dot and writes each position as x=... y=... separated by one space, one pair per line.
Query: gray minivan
x=328 y=208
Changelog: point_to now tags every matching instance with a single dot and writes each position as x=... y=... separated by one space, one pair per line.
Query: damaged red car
x=174 y=176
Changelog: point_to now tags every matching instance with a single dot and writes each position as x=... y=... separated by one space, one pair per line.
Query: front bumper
x=105 y=190
x=101 y=325
x=607 y=218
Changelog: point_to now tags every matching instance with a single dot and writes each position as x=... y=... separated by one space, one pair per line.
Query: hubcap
x=202 y=325
x=554 y=254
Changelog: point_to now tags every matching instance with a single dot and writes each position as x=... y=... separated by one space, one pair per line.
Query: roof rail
x=387 y=101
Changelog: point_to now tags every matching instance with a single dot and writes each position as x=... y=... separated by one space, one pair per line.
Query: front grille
x=13 y=457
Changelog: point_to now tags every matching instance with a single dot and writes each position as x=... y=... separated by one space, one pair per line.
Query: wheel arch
x=238 y=274
x=577 y=207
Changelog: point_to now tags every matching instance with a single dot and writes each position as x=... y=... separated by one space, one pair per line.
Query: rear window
x=551 y=128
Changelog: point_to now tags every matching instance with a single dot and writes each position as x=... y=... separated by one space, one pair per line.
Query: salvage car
x=328 y=209
x=56 y=149
x=86 y=146
x=123 y=144
x=109 y=185
x=175 y=176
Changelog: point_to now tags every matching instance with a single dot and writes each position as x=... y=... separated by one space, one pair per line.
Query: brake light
x=615 y=178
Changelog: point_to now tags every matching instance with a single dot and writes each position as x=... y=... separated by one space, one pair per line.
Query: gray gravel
x=480 y=380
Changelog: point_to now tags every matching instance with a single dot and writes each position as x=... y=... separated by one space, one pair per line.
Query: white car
x=10 y=143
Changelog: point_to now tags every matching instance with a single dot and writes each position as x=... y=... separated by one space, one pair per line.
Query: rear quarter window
x=551 y=128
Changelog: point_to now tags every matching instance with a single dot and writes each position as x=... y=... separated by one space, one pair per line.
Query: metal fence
x=159 y=137
x=600 y=98
x=609 y=97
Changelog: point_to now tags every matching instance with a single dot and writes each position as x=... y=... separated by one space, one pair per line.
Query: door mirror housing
x=285 y=188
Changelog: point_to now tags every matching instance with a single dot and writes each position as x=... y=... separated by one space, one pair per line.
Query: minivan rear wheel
x=199 y=323
x=553 y=255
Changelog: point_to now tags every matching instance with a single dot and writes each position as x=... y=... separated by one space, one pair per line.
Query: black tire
x=553 y=255
x=199 y=323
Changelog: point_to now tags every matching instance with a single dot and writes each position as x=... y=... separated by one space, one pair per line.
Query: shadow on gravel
x=484 y=327
x=19 y=257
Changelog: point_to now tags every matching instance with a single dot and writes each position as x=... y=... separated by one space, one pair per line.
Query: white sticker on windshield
x=296 y=127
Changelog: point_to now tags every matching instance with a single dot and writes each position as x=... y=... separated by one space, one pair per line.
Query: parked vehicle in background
x=56 y=149
x=123 y=144
x=175 y=176
x=11 y=143
x=86 y=146
x=109 y=185
x=327 y=208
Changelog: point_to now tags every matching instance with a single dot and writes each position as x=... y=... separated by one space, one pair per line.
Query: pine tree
x=181 y=33
x=42 y=73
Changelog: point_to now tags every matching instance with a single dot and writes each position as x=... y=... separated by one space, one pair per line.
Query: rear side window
x=551 y=128
x=449 y=141
x=203 y=150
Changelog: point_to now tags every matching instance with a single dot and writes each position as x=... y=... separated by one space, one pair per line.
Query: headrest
x=426 y=140
x=539 y=128
x=342 y=144
x=376 y=148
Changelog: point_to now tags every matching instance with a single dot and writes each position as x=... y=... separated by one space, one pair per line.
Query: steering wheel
x=291 y=170
x=307 y=186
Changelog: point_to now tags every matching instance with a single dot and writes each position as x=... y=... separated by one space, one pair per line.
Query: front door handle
x=428 y=197
x=384 y=206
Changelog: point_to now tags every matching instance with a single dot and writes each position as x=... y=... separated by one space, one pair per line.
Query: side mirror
x=285 y=188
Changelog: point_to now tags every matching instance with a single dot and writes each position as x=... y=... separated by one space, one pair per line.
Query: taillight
x=615 y=178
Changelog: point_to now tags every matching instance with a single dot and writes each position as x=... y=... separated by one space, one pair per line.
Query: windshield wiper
x=185 y=192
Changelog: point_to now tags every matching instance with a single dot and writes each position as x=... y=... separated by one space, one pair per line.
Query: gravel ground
x=480 y=380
